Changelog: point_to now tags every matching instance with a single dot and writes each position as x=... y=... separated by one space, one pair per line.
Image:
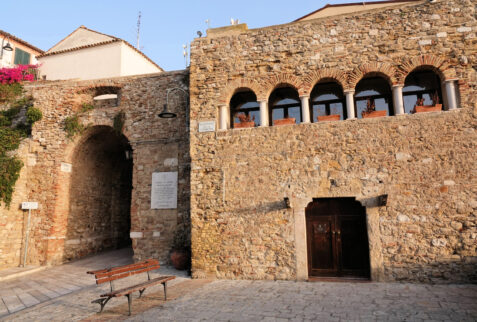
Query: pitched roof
x=21 y=41
x=362 y=3
x=103 y=39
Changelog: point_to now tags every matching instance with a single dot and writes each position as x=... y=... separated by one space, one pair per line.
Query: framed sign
x=207 y=126
x=164 y=190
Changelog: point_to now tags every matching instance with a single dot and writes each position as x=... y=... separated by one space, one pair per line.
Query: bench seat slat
x=120 y=271
x=127 y=267
x=125 y=274
x=138 y=287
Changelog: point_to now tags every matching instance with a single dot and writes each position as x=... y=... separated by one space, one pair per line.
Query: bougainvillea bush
x=18 y=74
x=11 y=133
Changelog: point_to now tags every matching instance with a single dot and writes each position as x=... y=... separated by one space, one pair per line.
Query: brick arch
x=328 y=73
x=231 y=88
x=276 y=81
x=382 y=69
x=434 y=63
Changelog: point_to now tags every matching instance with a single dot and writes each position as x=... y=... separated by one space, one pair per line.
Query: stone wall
x=56 y=172
x=424 y=162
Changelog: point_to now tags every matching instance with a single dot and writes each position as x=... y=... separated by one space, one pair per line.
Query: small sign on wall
x=29 y=205
x=164 y=190
x=66 y=167
x=207 y=126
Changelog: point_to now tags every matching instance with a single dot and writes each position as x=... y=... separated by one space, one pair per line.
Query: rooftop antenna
x=208 y=23
x=138 y=29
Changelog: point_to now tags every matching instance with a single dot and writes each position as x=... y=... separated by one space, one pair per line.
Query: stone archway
x=100 y=194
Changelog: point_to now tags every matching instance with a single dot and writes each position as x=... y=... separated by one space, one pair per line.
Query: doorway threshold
x=339 y=279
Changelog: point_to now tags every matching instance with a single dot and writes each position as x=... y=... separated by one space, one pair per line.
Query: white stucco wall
x=111 y=60
x=133 y=63
x=88 y=63
x=81 y=37
x=8 y=57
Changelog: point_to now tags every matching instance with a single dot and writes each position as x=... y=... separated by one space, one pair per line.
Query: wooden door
x=337 y=238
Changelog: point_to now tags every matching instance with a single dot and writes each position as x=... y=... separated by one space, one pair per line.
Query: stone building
x=388 y=198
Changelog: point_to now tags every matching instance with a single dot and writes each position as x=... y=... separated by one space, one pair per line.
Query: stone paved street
x=319 y=301
x=225 y=300
x=26 y=291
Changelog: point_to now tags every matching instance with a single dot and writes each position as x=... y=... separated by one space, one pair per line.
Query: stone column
x=224 y=109
x=263 y=113
x=451 y=97
x=305 y=108
x=397 y=99
x=350 y=104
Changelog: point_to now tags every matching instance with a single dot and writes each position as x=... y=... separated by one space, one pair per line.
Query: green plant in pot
x=180 y=253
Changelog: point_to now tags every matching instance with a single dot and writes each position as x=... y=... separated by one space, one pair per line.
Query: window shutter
x=21 y=57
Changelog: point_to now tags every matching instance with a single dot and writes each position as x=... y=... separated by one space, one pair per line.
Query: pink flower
x=18 y=74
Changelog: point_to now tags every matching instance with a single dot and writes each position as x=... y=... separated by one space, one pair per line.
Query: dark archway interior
x=244 y=102
x=100 y=194
x=375 y=88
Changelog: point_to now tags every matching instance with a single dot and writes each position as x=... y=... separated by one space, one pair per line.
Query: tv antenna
x=138 y=29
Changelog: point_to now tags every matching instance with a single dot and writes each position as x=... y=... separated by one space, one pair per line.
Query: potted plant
x=371 y=110
x=421 y=108
x=180 y=253
x=332 y=117
x=244 y=121
x=286 y=121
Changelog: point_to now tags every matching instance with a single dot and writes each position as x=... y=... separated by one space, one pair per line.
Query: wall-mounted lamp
x=287 y=202
x=7 y=47
x=382 y=200
x=165 y=114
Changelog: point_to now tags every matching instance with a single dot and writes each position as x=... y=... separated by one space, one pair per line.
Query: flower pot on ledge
x=325 y=118
x=287 y=121
x=428 y=108
x=366 y=115
x=241 y=125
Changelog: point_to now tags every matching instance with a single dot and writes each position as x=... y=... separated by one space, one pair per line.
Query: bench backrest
x=118 y=272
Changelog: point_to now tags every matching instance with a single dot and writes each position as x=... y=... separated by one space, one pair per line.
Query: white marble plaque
x=164 y=190
x=65 y=167
x=207 y=126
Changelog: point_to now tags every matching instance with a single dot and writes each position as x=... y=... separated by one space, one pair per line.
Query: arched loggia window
x=327 y=99
x=284 y=106
x=244 y=109
x=373 y=92
x=421 y=87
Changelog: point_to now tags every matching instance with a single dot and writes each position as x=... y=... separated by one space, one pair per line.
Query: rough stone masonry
x=232 y=182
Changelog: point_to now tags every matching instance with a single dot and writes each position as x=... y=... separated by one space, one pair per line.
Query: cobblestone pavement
x=70 y=291
x=319 y=301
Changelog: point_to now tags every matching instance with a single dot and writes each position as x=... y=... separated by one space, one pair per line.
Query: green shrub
x=118 y=122
x=9 y=173
x=73 y=126
x=8 y=92
x=9 y=140
x=26 y=101
x=86 y=107
x=33 y=115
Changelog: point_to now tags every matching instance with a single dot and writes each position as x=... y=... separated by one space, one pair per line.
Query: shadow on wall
x=100 y=194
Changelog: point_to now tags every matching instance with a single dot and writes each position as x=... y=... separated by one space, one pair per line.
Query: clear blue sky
x=165 y=25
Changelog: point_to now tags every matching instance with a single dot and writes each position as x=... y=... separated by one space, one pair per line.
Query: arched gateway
x=337 y=238
x=100 y=193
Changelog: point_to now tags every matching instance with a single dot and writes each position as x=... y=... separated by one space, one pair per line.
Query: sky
x=165 y=25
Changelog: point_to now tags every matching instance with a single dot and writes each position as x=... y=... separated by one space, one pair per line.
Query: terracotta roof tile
x=21 y=41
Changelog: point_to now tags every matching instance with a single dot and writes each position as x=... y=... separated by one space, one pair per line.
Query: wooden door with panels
x=337 y=238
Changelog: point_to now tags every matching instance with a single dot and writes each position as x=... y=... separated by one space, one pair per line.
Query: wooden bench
x=115 y=273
